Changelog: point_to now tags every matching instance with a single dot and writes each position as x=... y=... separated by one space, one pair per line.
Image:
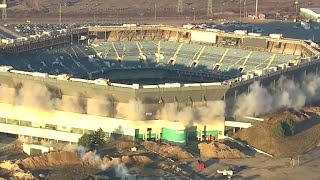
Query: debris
x=225 y=172
x=167 y=150
x=219 y=150
x=50 y=159
x=134 y=149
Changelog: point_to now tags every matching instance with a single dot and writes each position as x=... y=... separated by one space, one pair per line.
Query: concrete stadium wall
x=271 y=80
x=118 y=94
x=67 y=126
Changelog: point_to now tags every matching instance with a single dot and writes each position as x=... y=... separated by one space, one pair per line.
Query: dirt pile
x=175 y=169
x=170 y=151
x=93 y=159
x=307 y=125
x=9 y=166
x=50 y=159
x=15 y=171
x=219 y=150
x=140 y=160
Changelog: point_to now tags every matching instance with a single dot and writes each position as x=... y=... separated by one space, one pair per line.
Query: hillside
x=307 y=136
x=143 y=8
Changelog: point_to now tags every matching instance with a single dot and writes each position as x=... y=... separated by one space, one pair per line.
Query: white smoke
x=35 y=95
x=121 y=170
x=40 y=98
x=289 y=94
x=135 y=110
x=7 y=94
x=214 y=110
x=94 y=159
x=71 y=103
x=100 y=107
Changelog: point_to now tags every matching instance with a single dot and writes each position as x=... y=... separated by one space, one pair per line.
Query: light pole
x=240 y=11
x=60 y=14
x=296 y=3
x=194 y=14
x=155 y=11
x=245 y=8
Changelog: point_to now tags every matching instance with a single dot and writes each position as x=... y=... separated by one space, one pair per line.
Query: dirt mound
x=23 y=175
x=124 y=145
x=50 y=159
x=219 y=150
x=15 y=171
x=167 y=150
x=176 y=169
x=9 y=166
x=93 y=159
x=142 y=160
x=307 y=136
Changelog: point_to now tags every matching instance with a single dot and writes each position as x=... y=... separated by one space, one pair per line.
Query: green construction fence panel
x=173 y=135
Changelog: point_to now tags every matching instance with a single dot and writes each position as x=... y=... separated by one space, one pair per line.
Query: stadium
x=151 y=82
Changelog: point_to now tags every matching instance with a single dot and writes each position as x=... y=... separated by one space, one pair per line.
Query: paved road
x=263 y=167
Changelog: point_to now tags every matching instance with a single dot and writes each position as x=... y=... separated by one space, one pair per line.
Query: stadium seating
x=75 y=59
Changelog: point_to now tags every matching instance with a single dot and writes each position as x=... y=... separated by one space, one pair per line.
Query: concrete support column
x=235 y=95
x=317 y=70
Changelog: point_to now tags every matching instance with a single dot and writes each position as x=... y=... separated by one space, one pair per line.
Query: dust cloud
x=289 y=94
x=100 y=107
x=214 y=110
x=135 y=110
x=39 y=98
x=94 y=159
x=35 y=95
x=71 y=103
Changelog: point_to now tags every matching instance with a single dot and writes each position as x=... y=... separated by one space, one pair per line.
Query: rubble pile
x=50 y=159
x=15 y=171
x=175 y=169
x=167 y=150
x=219 y=150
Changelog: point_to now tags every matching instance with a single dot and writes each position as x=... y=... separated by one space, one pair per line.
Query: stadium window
x=51 y=126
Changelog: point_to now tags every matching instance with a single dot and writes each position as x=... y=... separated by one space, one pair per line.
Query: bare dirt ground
x=145 y=163
x=306 y=138
x=140 y=10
